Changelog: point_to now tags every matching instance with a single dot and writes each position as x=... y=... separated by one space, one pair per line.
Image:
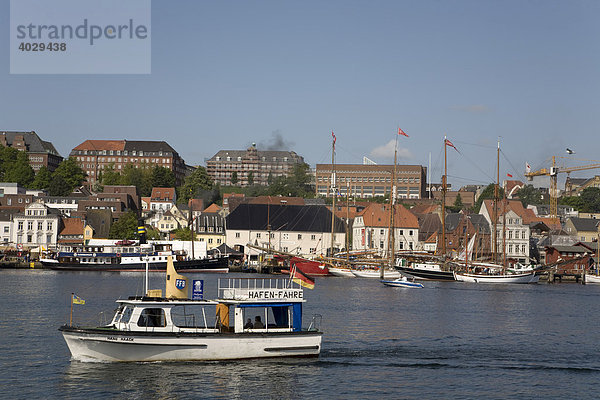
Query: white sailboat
x=495 y=273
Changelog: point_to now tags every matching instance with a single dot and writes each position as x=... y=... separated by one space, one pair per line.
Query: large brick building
x=252 y=166
x=372 y=180
x=95 y=155
x=40 y=153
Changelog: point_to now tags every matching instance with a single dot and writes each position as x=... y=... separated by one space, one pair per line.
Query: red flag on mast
x=509 y=175
x=449 y=143
x=334 y=138
x=401 y=132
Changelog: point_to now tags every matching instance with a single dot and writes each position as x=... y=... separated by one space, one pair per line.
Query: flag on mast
x=301 y=279
x=334 y=138
x=401 y=132
x=527 y=167
x=77 y=300
x=449 y=143
x=509 y=175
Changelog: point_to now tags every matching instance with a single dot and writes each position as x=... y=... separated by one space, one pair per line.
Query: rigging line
x=515 y=171
x=460 y=178
x=474 y=144
x=477 y=166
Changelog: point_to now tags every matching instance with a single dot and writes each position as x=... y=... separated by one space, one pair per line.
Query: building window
x=20 y=225
x=258 y=235
x=237 y=234
x=313 y=237
x=299 y=236
x=29 y=225
x=6 y=229
x=49 y=225
x=40 y=226
x=210 y=241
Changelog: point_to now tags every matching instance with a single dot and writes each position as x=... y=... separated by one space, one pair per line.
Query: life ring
x=118 y=254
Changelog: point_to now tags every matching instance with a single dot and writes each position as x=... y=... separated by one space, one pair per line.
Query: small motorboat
x=402 y=282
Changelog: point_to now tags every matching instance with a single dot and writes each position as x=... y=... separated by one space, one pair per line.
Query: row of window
x=30 y=224
x=369 y=179
x=263 y=158
x=119 y=152
x=513 y=234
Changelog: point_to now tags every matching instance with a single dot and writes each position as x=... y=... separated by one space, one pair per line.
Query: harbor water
x=449 y=340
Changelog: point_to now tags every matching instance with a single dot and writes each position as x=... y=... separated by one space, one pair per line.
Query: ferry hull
x=90 y=346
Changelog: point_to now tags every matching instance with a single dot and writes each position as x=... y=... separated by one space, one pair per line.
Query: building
x=210 y=227
x=40 y=153
x=510 y=225
x=162 y=199
x=252 y=166
x=38 y=225
x=302 y=230
x=574 y=186
x=372 y=227
x=371 y=180
x=94 y=156
x=584 y=229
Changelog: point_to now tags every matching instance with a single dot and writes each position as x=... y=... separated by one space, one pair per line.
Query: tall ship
x=126 y=255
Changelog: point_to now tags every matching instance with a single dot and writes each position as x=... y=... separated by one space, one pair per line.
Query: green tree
x=14 y=167
x=488 y=193
x=59 y=187
x=183 y=234
x=529 y=195
x=42 y=179
x=250 y=178
x=195 y=185
x=125 y=227
x=138 y=177
x=70 y=171
x=110 y=176
x=458 y=204
x=590 y=200
x=234 y=178
x=162 y=177
x=152 y=233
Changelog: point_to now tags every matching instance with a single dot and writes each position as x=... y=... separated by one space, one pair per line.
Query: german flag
x=300 y=278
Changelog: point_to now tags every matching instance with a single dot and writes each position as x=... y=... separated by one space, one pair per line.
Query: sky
x=284 y=74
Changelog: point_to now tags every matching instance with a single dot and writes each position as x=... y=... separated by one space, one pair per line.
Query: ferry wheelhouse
x=167 y=329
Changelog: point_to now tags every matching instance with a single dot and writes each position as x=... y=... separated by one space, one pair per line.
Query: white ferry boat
x=179 y=329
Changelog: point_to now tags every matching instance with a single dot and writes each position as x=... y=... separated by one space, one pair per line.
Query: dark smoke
x=276 y=142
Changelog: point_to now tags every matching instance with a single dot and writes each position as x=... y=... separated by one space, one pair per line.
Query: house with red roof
x=371 y=229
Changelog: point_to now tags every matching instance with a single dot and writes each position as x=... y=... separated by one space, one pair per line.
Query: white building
x=302 y=230
x=39 y=225
x=517 y=232
x=371 y=229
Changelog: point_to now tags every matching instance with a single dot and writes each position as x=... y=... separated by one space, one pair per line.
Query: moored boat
x=528 y=277
x=175 y=328
x=403 y=282
x=343 y=272
x=425 y=271
x=375 y=273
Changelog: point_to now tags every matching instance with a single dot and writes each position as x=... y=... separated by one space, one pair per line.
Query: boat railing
x=315 y=323
x=228 y=287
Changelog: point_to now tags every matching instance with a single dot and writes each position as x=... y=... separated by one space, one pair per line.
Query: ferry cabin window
x=152 y=317
x=271 y=317
x=191 y=316
x=123 y=314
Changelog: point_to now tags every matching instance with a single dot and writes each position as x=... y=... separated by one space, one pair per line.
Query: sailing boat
x=429 y=270
x=490 y=272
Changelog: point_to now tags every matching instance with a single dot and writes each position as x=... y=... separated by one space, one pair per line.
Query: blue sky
x=229 y=73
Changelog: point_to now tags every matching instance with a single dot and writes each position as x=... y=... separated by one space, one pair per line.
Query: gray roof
x=283 y=218
x=32 y=141
x=584 y=224
x=269 y=154
x=570 y=249
x=148 y=145
x=578 y=181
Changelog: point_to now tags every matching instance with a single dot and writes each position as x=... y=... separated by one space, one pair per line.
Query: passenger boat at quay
x=175 y=328
x=130 y=256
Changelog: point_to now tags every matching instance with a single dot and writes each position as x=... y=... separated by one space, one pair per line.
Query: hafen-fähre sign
x=264 y=294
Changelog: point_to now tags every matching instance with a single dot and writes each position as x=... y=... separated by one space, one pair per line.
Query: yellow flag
x=78 y=300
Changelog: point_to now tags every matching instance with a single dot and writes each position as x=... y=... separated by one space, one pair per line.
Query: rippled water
x=449 y=340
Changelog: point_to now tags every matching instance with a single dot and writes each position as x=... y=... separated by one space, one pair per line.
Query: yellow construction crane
x=553 y=173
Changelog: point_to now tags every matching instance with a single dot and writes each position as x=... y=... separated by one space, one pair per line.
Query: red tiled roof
x=290 y=201
x=73 y=226
x=101 y=145
x=196 y=204
x=526 y=214
x=162 y=194
x=213 y=208
x=378 y=215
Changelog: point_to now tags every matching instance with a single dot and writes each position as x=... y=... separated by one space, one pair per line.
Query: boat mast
x=495 y=208
x=347 y=224
x=333 y=192
x=392 y=204
x=444 y=188
x=504 y=233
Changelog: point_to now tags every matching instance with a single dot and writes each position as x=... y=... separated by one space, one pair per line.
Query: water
x=449 y=340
